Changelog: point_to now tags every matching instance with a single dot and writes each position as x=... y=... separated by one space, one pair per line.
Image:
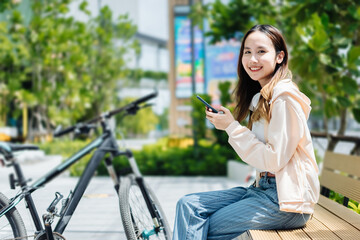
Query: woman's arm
x=285 y=130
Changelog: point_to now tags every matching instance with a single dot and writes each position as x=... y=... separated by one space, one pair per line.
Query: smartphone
x=207 y=105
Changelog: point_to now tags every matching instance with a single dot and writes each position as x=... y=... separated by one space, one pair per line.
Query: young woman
x=278 y=145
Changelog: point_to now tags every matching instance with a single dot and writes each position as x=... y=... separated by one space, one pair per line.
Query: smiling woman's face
x=259 y=57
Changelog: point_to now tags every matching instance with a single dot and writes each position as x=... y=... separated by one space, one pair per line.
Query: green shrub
x=156 y=159
x=339 y=198
x=354 y=206
x=67 y=148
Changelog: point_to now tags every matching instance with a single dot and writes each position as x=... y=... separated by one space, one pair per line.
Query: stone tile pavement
x=97 y=215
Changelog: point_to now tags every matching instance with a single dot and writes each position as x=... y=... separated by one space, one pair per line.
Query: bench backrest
x=341 y=173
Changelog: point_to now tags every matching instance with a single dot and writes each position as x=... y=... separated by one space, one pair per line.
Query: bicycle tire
x=135 y=215
x=11 y=225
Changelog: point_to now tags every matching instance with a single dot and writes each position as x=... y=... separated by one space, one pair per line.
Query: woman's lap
x=233 y=211
x=256 y=210
x=210 y=202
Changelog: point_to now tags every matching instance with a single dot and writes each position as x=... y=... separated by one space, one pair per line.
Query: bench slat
x=346 y=186
x=317 y=230
x=264 y=235
x=338 y=226
x=293 y=234
x=343 y=212
x=330 y=220
x=314 y=230
x=345 y=163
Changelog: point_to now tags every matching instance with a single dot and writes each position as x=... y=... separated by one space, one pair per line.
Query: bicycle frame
x=104 y=144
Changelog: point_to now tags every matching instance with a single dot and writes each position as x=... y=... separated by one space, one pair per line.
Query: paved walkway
x=97 y=215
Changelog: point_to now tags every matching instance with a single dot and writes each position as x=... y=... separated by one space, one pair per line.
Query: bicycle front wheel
x=135 y=215
x=11 y=224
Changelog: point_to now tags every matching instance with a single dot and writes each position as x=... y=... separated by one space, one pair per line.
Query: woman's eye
x=261 y=51
x=247 y=52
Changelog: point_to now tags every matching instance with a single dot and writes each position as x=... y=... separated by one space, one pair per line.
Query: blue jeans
x=228 y=213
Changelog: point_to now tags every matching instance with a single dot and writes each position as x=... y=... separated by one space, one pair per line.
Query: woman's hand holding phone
x=208 y=106
x=220 y=121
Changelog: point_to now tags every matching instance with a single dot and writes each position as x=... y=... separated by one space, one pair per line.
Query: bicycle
x=141 y=213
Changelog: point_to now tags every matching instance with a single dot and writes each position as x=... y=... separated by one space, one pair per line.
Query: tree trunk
x=46 y=119
x=30 y=126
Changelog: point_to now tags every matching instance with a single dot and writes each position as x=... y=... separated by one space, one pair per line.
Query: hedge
x=158 y=158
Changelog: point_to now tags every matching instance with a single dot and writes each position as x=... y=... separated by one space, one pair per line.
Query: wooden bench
x=331 y=220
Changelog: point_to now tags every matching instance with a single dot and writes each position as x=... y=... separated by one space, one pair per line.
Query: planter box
x=239 y=171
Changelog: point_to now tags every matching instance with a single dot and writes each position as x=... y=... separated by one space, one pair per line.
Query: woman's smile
x=255 y=69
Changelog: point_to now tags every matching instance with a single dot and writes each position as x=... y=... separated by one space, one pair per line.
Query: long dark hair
x=246 y=87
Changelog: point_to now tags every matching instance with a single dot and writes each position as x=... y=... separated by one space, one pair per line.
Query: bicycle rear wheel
x=11 y=225
x=135 y=215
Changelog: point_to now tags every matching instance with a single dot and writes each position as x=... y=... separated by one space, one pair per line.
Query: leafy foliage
x=142 y=123
x=324 y=42
x=354 y=207
x=137 y=74
x=230 y=20
x=339 y=198
x=62 y=69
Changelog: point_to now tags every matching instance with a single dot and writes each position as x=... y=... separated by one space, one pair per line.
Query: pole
x=25 y=121
x=193 y=80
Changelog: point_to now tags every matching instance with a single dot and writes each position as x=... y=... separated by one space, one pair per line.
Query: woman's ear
x=280 y=57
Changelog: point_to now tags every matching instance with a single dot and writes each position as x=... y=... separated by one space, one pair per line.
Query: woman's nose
x=253 y=58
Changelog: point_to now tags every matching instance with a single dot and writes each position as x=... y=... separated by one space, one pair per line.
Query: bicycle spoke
x=143 y=220
x=136 y=199
x=5 y=231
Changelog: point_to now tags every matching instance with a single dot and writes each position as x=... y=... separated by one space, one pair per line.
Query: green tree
x=64 y=70
x=107 y=59
x=324 y=43
x=325 y=52
x=232 y=19
x=13 y=58
x=138 y=125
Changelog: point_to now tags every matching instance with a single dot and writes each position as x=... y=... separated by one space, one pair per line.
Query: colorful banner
x=183 y=67
x=221 y=65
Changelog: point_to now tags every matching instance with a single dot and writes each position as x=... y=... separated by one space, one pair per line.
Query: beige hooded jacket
x=288 y=151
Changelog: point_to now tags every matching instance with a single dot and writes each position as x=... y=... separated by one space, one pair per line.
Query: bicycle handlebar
x=128 y=107
x=60 y=132
x=132 y=104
